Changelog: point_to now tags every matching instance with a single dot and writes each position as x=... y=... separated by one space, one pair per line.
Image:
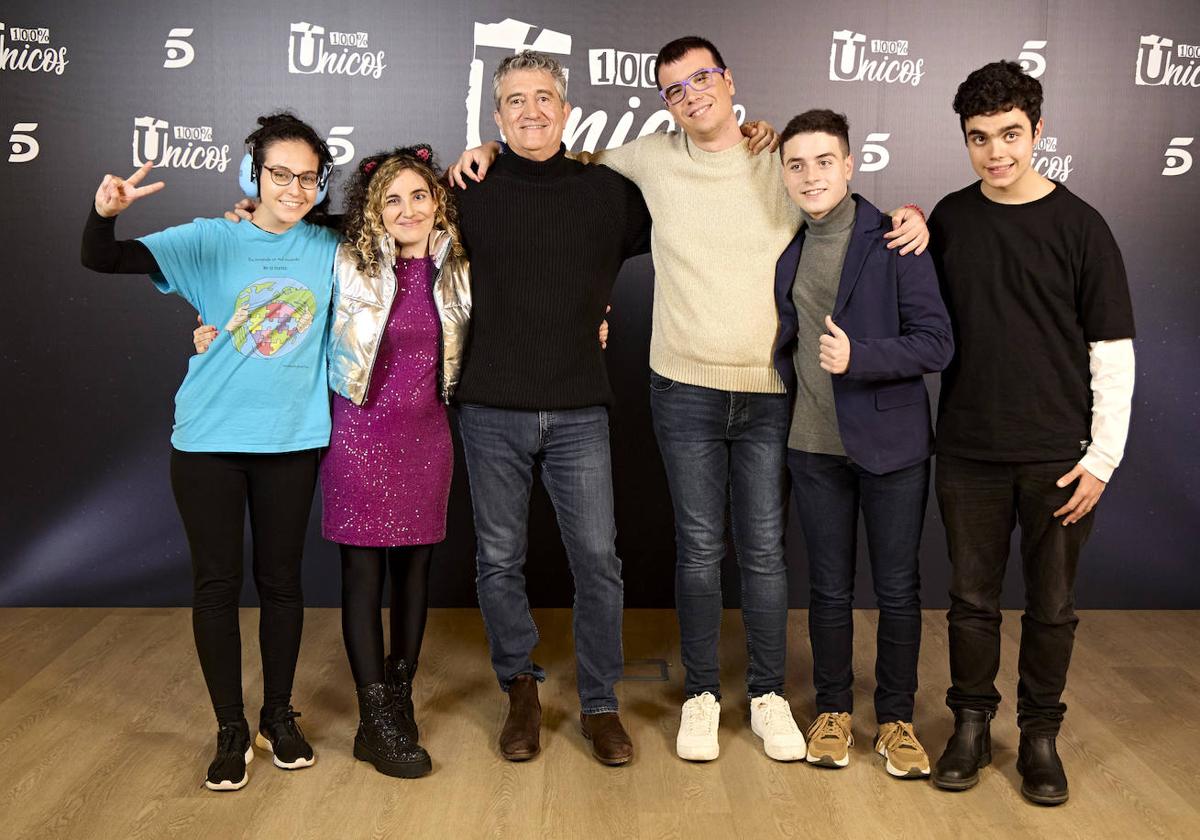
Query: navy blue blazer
x=899 y=329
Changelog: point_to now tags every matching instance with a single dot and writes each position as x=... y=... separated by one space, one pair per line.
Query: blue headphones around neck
x=248 y=178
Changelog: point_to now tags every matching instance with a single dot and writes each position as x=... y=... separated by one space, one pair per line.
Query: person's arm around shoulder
x=909 y=231
x=473 y=164
x=926 y=341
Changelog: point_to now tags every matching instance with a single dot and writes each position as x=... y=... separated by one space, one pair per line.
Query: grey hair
x=530 y=60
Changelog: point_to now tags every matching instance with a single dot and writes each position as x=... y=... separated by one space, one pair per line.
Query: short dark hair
x=817 y=120
x=999 y=86
x=680 y=47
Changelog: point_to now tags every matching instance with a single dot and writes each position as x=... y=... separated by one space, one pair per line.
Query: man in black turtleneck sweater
x=546 y=237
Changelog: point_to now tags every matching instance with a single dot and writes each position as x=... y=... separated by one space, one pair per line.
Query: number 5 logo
x=1179 y=159
x=24 y=145
x=874 y=155
x=339 y=144
x=1032 y=60
x=179 y=52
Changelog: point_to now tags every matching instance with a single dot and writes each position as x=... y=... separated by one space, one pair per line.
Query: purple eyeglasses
x=702 y=79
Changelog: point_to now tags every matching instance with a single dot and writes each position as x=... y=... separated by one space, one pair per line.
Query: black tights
x=213 y=491
x=363 y=571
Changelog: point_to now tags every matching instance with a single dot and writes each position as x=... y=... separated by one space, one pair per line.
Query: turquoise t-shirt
x=261 y=386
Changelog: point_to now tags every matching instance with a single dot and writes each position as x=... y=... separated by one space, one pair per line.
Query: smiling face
x=281 y=207
x=1001 y=150
x=409 y=211
x=705 y=115
x=531 y=115
x=816 y=171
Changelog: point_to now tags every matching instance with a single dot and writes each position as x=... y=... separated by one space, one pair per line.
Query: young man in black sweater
x=546 y=237
x=1032 y=420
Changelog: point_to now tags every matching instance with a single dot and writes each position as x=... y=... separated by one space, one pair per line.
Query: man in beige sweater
x=721 y=218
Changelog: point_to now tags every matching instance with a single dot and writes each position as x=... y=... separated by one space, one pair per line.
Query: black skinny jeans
x=212 y=491
x=981 y=502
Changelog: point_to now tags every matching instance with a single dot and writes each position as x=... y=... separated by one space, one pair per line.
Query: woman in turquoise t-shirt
x=251 y=414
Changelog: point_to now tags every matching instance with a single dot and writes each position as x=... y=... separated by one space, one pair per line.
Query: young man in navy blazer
x=859 y=325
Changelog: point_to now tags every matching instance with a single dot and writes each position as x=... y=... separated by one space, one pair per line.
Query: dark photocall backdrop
x=90 y=362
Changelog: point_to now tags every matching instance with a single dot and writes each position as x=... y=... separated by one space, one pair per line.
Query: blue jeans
x=502 y=448
x=726 y=448
x=829 y=490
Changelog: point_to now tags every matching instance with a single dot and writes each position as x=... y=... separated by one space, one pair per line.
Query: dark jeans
x=829 y=490
x=981 y=501
x=502 y=447
x=723 y=448
x=213 y=491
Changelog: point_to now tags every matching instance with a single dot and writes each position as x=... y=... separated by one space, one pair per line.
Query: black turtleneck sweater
x=546 y=241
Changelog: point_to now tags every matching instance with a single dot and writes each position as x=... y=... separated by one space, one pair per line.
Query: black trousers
x=213 y=491
x=981 y=502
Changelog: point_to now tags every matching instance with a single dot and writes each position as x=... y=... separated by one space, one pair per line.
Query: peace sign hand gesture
x=115 y=194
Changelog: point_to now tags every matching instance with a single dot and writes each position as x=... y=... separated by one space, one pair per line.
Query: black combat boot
x=380 y=741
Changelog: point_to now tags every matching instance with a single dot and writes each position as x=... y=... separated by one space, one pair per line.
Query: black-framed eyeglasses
x=702 y=79
x=281 y=176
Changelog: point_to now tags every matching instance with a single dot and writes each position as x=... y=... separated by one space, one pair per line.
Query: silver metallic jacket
x=361 y=306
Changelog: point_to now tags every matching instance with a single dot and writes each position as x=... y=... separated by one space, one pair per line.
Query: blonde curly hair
x=363 y=226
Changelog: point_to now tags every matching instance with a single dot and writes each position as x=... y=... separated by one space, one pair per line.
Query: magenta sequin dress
x=385 y=480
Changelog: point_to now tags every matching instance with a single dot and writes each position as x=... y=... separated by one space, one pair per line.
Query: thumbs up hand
x=835 y=348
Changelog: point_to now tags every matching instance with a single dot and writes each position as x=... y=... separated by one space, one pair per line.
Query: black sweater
x=546 y=241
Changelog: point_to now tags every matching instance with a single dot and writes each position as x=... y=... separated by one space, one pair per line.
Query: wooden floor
x=105 y=732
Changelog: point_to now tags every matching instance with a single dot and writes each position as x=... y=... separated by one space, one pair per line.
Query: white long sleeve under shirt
x=1112 y=368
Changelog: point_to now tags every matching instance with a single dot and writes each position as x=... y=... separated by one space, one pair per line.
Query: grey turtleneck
x=814 y=420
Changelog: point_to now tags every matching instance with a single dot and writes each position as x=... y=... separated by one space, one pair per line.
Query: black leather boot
x=968 y=750
x=381 y=742
x=399 y=676
x=1043 y=779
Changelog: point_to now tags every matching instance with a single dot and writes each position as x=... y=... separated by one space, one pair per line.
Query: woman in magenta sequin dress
x=400 y=316
x=385 y=480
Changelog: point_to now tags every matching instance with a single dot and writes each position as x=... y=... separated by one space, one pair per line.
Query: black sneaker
x=279 y=734
x=228 y=769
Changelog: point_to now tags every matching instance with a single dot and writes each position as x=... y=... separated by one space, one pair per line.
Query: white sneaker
x=771 y=719
x=697 y=739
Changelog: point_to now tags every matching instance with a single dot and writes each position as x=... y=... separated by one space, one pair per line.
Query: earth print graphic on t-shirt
x=271 y=317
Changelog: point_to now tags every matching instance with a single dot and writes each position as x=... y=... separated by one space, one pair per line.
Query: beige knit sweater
x=721 y=220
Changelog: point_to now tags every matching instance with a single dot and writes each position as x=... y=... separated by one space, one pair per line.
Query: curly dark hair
x=284 y=125
x=817 y=120
x=999 y=86
x=363 y=225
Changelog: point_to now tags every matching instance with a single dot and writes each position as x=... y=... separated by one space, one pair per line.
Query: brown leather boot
x=520 y=739
x=610 y=742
